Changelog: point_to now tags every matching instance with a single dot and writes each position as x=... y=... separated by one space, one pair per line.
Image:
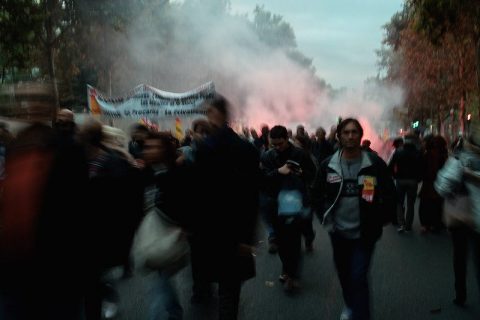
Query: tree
x=279 y=34
x=458 y=19
x=18 y=24
x=432 y=65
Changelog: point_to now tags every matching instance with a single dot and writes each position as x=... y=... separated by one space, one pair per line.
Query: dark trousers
x=408 y=189
x=307 y=229
x=228 y=299
x=430 y=212
x=268 y=212
x=202 y=286
x=352 y=261
x=97 y=290
x=462 y=239
x=289 y=236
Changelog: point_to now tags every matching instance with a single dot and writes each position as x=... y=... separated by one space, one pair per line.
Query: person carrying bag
x=459 y=183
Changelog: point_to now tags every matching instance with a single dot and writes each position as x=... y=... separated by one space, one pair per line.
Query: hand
x=297 y=171
x=140 y=163
x=285 y=170
x=180 y=160
x=244 y=250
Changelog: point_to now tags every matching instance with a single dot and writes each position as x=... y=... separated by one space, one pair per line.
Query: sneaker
x=346 y=314
x=309 y=246
x=272 y=246
x=283 y=277
x=459 y=302
x=109 y=310
x=401 y=229
x=291 y=286
x=201 y=299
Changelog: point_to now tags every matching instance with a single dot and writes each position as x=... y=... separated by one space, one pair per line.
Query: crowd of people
x=72 y=199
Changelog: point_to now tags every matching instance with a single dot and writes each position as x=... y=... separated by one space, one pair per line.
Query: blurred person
x=366 y=146
x=321 y=149
x=165 y=190
x=396 y=144
x=187 y=140
x=115 y=139
x=115 y=196
x=300 y=131
x=431 y=203
x=265 y=130
x=282 y=181
x=459 y=181
x=28 y=166
x=304 y=143
x=138 y=134
x=227 y=195
x=254 y=134
x=41 y=216
x=6 y=139
x=290 y=135
x=246 y=134
x=332 y=138
x=355 y=198
x=262 y=142
x=200 y=131
x=406 y=170
x=64 y=216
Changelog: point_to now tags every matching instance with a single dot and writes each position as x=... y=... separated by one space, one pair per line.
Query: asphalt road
x=411 y=279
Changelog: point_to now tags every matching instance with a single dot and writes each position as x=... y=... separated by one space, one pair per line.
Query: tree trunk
x=477 y=60
x=50 y=52
x=440 y=121
x=461 y=115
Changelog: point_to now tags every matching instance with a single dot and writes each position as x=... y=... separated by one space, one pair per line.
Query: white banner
x=148 y=102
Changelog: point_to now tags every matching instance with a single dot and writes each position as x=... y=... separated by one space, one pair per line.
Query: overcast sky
x=340 y=35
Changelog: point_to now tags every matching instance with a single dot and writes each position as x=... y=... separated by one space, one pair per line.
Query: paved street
x=412 y=279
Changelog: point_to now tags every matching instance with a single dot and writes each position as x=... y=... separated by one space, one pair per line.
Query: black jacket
x=225 y=206
x=406 y=163
x=273 y=182
x=373 y=214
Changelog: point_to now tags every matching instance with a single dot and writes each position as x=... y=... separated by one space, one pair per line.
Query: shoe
x=408 y=229
x=201 y=299
x=291 y=286
x=272 y=246
x=109 y=310
x=459 y=302
x=346 y=314
x=401 y=229
x=283 y=278
x=309 y=247
x=127 y=274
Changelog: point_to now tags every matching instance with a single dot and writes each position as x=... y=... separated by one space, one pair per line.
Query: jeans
x=406 y=188
x=352 y=260
x=163 y=296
